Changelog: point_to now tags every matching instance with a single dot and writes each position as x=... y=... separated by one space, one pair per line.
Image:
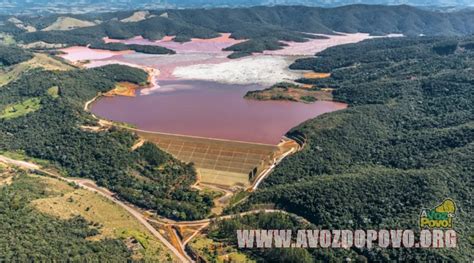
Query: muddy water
x=196 y=45
x=197 y=108
x=210 y=109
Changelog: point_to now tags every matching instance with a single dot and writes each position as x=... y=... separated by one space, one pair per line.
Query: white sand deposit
x=203 y=60
x=314 y=46
x=265 y=70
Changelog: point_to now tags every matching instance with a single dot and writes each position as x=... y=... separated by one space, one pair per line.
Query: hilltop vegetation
x=290 y=92
x=264 y=27
x=21 y=108
x=11 y=55
x=28 y=234
x=23 y=61
x=146 y=177
x=405 y=143
x=147 y=49
x=67 y=23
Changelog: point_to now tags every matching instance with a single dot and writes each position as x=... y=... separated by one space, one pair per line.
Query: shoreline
x=153 y=86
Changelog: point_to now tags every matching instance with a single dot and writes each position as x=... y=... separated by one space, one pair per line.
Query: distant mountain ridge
x=85 y=6
x=263 y=26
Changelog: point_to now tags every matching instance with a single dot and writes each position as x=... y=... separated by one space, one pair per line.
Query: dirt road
x=179 y=251
x=91 y=186
x=264 y=175
x=22 y=164
x=209 y=220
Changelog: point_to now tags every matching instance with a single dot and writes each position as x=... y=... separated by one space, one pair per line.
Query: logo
x=440 y=216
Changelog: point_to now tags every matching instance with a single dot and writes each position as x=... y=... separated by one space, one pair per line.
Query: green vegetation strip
x=21 y=109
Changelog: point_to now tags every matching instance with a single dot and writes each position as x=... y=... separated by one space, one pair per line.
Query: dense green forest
x=138 y=48
x=254 y=46
x=13 y=55
x=405 y=143
x=29 y=235
x=264 y=27
x=286 y=91
x=147 y=177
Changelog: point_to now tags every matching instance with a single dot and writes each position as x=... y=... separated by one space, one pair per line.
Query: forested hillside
x=41 y=115
x=263 y=26
x=13 y=55
x=405 y=143
x=28 y=235
x=147 y=49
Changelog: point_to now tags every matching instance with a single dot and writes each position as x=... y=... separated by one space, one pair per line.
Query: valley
x=229 y=139
x=182 y=78
x=230 y=157
x=156 y=135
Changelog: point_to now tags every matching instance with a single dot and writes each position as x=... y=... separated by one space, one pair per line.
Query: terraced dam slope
x=218 y=162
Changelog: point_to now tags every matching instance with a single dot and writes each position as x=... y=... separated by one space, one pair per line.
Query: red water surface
x=196 y=108
x=77 y=53
x=164 y=63
x=199 y=45
x=211 y=110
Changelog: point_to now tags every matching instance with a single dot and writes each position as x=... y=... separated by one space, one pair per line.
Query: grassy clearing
x=43 y=61
x=114 y=222
x=212 y=251
x=137 y=17
x=53 y=92
x=87 y=204
x=20 y=155
x=224 y=178
x=68 y=23
x=6 y=39
x=6 y=175
x=21 y=109
x=124 y=124
x=6 y=76
x=238 y=197
x=48 y=63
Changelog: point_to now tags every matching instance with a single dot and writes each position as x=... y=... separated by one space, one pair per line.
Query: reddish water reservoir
x=211 y=110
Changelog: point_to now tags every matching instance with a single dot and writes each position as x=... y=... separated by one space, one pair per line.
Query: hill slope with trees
x=264 y=27
x=146 y=177
x=405 y=143
x=29 y=235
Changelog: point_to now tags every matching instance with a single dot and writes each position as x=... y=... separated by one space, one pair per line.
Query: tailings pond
x=211 y=110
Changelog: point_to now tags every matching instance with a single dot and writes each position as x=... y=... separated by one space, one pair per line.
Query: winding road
x=91 y=186
x=178 y=248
